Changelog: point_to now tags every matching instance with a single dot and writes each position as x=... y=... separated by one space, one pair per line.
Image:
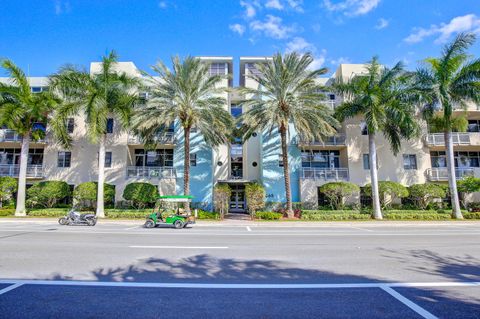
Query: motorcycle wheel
x=63 y=221
x=149 y=224
x=91 y=222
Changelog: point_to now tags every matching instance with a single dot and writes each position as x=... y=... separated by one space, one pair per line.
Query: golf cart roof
x=176 y=198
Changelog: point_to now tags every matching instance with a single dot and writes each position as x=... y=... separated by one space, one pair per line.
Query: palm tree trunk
x=101 y=177
x=377 y=212
x=186 y=165
x=22 y=176
x=452 y=179
x=286 y=173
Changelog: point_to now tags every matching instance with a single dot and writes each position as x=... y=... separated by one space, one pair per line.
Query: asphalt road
x=333 y=270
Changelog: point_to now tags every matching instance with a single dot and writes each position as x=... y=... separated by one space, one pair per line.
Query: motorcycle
x=75 y=218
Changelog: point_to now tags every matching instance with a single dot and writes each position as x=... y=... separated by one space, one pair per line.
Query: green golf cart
x=170 y=210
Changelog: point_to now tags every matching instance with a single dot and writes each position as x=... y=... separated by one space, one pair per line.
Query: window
x=473 y=126
x=64 y=159
x=409 y=161
x=38 y=89
x=159 y=157
x=236 y=110
x=363 y=128
x=218 y=68
x=110 y=125
x=193 y=159
x=108 y=159
x=280 y=160
x=331 y=97
x=462 y=159
x=366 y=161
x=321 y=159
x=70 y=125
x=252 y=69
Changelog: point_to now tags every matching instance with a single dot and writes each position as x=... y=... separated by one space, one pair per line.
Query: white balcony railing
x=330 y=103
x=33 y=171
x=7 y=135
x=325 y=174
x=441 y=174
x=166 y=138
x=335 y=140
x=438 y=139
x=160 y=172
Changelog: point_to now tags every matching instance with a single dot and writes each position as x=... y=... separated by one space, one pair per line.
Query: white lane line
x=235 y=286
x=132 y=227
x=248 y=228
x=181 y=247
x=364 y=229
x=410 y=304
x=4 y=290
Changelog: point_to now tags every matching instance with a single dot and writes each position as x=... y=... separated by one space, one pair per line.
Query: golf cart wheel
x=62 y=221
x=178 y=224
x=149 y=224
x=91 y=222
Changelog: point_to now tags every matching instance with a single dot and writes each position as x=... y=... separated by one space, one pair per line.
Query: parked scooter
x=75 y=218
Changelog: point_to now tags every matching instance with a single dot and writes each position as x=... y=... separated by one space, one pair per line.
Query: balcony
x=33 y=171
x=325 y=174
x=167 y=138
x=438 y=139
x=7 y=135
x=330 y=104
x=441 y=174
x=335 y=140
x=159 y=172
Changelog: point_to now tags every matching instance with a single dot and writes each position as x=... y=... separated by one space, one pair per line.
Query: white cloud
x=340 y=60
x=466 y=23
x=162 y=4
x=62 y=7
x=299 y=44
x=272 y=27
x=250 y=8
x=382 y=24
x=274 y=4
x=296 y=5
x=237 y=28
x=319 y=60
x=351 y=7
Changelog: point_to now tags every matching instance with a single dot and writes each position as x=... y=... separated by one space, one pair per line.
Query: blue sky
x=43 y=35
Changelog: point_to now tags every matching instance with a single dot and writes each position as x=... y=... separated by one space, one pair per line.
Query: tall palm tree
x=445 y=83
x=382 y=96
x=99 y=95
x=288 y=94
x=21 y=110
x=190 y=95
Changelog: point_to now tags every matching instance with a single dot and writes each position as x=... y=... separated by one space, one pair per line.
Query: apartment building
x=343 y=157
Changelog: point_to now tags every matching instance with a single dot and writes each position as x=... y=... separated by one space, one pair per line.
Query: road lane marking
x=132 y=227
x=407 y=302
x=237 y=286
x=248 y=228
x=181 y=247
x=9 y=288
x=364 y=229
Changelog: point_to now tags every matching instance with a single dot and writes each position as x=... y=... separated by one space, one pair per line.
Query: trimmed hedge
x=48 y=212
x=416 y=215
x=334 y=215
x=471 y=215
x=7 y=212
x=268 y=215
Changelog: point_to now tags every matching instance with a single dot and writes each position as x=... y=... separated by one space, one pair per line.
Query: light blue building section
x=272 y=172
x=201 y=176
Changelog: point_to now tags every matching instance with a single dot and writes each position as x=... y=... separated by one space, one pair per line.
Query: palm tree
x=99 y=95
x=382 y=96
x=21 y=110
x=288 y=94
x=187 y=94
x=444 y=84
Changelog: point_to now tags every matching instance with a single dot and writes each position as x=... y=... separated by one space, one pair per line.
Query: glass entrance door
x=237 y=199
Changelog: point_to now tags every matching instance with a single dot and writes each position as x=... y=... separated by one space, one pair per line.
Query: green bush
x=255 y=197
x=388 y=192
x=416 y=215
x=268 y=215
x=318 y=215
x=221 y=198
x=424 y=194
x=8 y=185
x=338 y=192
x=141 y=194
x=202 y=214
x=7 y=212
x=50 y=212
x=86 y=194
x=127 y=213
x=47 y=194
x=471 y=215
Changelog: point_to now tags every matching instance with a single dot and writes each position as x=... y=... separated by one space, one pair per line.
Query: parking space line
x=407 y=302
x=9 y=288
x=248 y=228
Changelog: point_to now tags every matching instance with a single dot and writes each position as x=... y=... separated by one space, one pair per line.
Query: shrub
x=318 y=215
x=127 y=213
x=86 y=194
x=50 y=212
x=424 y=194
x=202 y=214
x=221 y=198
x=416 y=215
x=268 y=215
x=338 y=192
x=47 y=194
x=471 y=215
x=7 y=212
x=255 y=197
x=141 y=194
x=474 y=207
x=468 y=185
x=388 y=192
x=8 y=185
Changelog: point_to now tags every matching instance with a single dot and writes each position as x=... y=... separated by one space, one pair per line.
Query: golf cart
x=170 y=210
